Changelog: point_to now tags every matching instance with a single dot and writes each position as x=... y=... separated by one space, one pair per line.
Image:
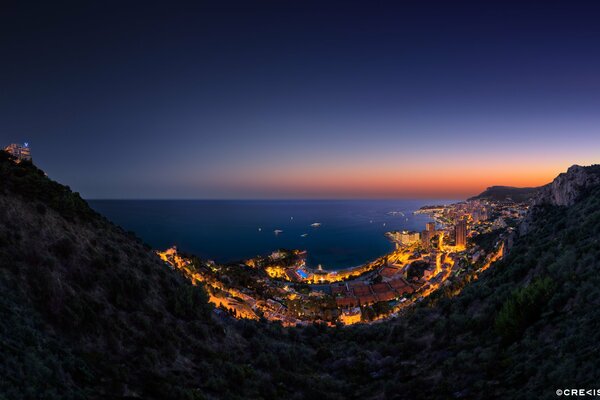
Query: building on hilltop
x=19 y=152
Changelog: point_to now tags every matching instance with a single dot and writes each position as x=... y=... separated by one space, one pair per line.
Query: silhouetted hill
x=504 y=193
x=88 y=311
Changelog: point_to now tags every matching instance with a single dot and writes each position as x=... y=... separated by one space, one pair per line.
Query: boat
x=315 y=224
x=259 y=229
x=400 y=213
x=277 y=231
x=304 y=235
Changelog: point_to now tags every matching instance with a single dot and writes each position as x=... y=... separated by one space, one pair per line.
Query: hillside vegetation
x=88 y=311
x=504 y=193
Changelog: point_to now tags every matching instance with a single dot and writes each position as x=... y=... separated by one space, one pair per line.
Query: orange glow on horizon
x=434 y=181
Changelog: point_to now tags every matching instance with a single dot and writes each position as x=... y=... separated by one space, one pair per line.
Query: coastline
x=228 y=231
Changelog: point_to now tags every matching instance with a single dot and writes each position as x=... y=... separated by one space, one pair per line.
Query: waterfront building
x=430 y=226
x=406 y=237
x=460 y=232
x=18 y=151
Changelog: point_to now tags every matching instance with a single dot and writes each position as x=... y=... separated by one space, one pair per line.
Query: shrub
x=523 y=308
x=63 y=248
x=190 y=302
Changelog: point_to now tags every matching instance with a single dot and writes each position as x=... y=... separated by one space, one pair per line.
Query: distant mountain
x=87 y=311
x=503 y=193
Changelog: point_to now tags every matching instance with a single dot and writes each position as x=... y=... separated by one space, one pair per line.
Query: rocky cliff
x=567 y=187
x=565 y=190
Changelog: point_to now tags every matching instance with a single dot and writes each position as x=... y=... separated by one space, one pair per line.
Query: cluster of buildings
x=290 y=265
x=284 y=289
x=21 y=152
x=407 y=238
x=458 y=218
x=360 y=293
x=482 y=216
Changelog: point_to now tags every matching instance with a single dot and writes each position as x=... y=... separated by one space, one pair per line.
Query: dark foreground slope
x=87 y=311
x=85 y=308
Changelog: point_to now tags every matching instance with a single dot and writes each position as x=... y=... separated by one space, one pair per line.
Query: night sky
x=296 y=99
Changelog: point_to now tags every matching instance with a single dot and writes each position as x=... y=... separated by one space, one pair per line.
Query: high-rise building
x=460 y=232
x=426 y=237
x=430 y=226
x=18 y=151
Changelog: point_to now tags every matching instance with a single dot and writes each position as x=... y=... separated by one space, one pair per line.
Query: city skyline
x=302 y=100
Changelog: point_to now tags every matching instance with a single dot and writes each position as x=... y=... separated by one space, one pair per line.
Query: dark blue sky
x=301 y=99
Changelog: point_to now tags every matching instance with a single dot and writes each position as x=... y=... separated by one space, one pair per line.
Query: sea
x=350 y=232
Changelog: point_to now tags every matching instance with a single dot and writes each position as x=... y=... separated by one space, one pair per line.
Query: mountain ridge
x=504 y=193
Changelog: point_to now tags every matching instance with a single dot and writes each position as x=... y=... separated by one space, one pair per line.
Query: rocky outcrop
x=567 y=187
x=563 y=191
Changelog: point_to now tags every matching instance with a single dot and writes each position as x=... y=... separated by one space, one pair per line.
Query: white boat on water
x=315 y=224
x=304 y=235
x=400 y=213
x=277 y=231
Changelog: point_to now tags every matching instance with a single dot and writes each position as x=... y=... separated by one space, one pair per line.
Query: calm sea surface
x=351 y=231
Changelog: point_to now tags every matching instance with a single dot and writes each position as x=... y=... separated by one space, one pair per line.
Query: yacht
x=400 y=213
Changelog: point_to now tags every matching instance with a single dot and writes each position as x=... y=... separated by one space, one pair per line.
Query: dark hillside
x=504 y=193
x=86 y=289
x=88 y=311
